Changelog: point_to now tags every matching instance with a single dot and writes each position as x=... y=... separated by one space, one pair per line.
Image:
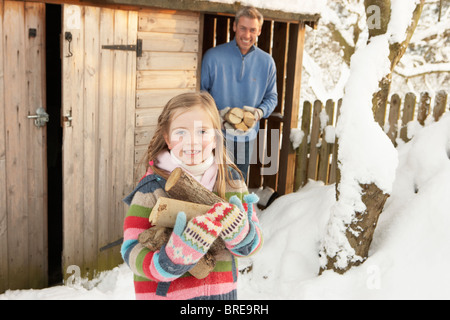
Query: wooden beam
x=286 y=174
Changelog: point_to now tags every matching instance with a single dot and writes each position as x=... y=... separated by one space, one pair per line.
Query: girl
x=188 y=135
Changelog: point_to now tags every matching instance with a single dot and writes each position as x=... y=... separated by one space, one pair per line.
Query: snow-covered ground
x=408 y=259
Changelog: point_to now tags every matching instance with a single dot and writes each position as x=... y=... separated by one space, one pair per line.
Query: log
x=249 y=119
x=182 y=186
x=187 y=195
x=204 y=266
x=164 y=213
x=155 y=237
x=240 y=119
x=234 y=116
x=240 y=126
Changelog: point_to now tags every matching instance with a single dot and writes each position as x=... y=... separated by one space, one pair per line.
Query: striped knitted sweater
x=169 y=281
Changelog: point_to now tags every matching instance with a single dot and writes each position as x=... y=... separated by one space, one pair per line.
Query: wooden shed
x=100 y=73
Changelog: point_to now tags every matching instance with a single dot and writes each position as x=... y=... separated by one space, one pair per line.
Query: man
x=238 y=74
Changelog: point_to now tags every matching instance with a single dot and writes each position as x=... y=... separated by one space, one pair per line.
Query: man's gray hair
x=249 y=12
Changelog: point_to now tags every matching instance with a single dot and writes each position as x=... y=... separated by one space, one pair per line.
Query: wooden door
x=98 y=134
x=23 y=171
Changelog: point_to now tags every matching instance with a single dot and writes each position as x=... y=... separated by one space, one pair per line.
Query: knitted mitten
x=188 y=243
x=234 y=219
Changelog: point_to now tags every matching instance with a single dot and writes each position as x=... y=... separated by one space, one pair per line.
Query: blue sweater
x=235 y=80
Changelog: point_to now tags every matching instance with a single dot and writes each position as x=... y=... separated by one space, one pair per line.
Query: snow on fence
x=317 y=148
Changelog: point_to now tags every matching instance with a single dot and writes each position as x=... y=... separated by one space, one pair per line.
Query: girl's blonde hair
x=158 y=144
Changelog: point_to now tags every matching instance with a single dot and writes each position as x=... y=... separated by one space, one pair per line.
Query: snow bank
x=409 y=255
x=116 y=284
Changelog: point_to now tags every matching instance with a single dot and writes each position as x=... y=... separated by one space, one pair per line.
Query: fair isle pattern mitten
x=187 y=246
x=234 y=221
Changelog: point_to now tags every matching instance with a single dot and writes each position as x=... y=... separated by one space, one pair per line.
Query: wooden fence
x=317 y=159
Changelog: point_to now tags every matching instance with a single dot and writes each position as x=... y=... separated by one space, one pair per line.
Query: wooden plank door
x=98 y=134
x=23 y=173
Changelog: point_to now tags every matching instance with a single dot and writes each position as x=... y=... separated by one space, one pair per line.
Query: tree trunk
x=397 y=50
x=359 y=232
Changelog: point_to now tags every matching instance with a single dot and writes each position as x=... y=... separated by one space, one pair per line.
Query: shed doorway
x=54 y=142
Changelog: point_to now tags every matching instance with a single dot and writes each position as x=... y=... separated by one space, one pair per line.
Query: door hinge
x=127 y=47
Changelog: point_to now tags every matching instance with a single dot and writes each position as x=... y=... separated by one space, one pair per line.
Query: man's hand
x=257 y=112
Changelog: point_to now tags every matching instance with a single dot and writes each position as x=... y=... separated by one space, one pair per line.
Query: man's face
x=247 y=31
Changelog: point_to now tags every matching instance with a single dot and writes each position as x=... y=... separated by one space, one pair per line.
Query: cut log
x=189 y=196
x=164 y=213
x=182 y=186
x=249 y=119
x=234 y=116
x=240 y=126
x=155 y=237
x=204 y=266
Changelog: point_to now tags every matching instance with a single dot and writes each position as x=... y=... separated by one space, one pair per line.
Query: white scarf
x=197 y=170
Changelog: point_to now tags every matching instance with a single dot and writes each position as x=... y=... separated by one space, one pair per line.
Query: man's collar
x=250 y=50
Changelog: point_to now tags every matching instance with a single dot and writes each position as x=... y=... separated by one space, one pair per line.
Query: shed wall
x=168 y=67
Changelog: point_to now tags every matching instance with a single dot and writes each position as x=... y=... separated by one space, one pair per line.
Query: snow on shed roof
x=307 y=11
x=293 y=6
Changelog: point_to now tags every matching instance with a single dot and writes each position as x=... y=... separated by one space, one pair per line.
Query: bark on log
x=182 y=186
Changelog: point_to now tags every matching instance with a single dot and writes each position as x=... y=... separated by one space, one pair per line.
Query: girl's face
x=191 y=136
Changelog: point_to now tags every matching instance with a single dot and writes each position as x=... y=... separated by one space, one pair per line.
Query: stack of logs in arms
x=179 y=187
x=240 y=119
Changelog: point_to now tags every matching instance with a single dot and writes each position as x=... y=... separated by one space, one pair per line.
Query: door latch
x=67 y=119
x=40 y=118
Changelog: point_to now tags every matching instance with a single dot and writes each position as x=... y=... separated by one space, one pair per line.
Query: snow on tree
x=367 y=159
x=343 y=29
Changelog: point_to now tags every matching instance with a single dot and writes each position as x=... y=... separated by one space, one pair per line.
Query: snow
x=295 y=6
x=424 y=67
x=398 y=26
x=408 y=257
x=296 y=137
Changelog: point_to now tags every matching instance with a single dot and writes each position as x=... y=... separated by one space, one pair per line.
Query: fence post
x=408 y=114
x=301 y=166
x=313 y=158
x=315 y=131
x=325 y=148
x=394 y=116
x=334 y=170
x=424 y=107
x=439 y=105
